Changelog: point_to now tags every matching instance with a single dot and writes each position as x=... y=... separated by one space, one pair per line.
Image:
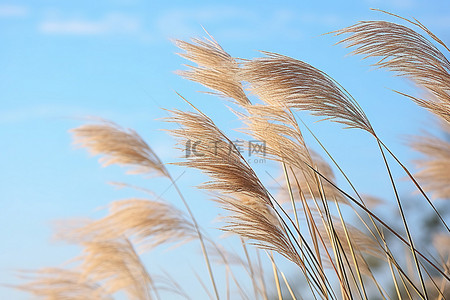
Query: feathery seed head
x=283 y=81
x=119 y=146
x=407 y=53
x=216 y=68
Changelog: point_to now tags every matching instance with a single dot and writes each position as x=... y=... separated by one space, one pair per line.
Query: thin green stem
x=200 y=236
x=381 y=222
x=402 y=214
x=416 y=184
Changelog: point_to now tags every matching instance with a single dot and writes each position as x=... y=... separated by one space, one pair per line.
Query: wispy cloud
x=109 y=24
x=228 y=21
x=183 y=22
x=11 y=10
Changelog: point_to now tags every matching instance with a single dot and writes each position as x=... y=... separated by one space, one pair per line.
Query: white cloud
x=9 y=10
x=183 y=22
x=110 y=24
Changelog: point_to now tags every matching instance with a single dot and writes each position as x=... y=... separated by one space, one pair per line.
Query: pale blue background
x=61 y=61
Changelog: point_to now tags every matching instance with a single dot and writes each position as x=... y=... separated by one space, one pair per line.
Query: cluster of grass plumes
x=301 y=221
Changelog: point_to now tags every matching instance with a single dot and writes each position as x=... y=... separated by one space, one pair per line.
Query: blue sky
x=62 y=61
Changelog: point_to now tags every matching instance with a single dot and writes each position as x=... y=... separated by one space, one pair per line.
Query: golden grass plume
x=120 y=146
x=409 y=54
